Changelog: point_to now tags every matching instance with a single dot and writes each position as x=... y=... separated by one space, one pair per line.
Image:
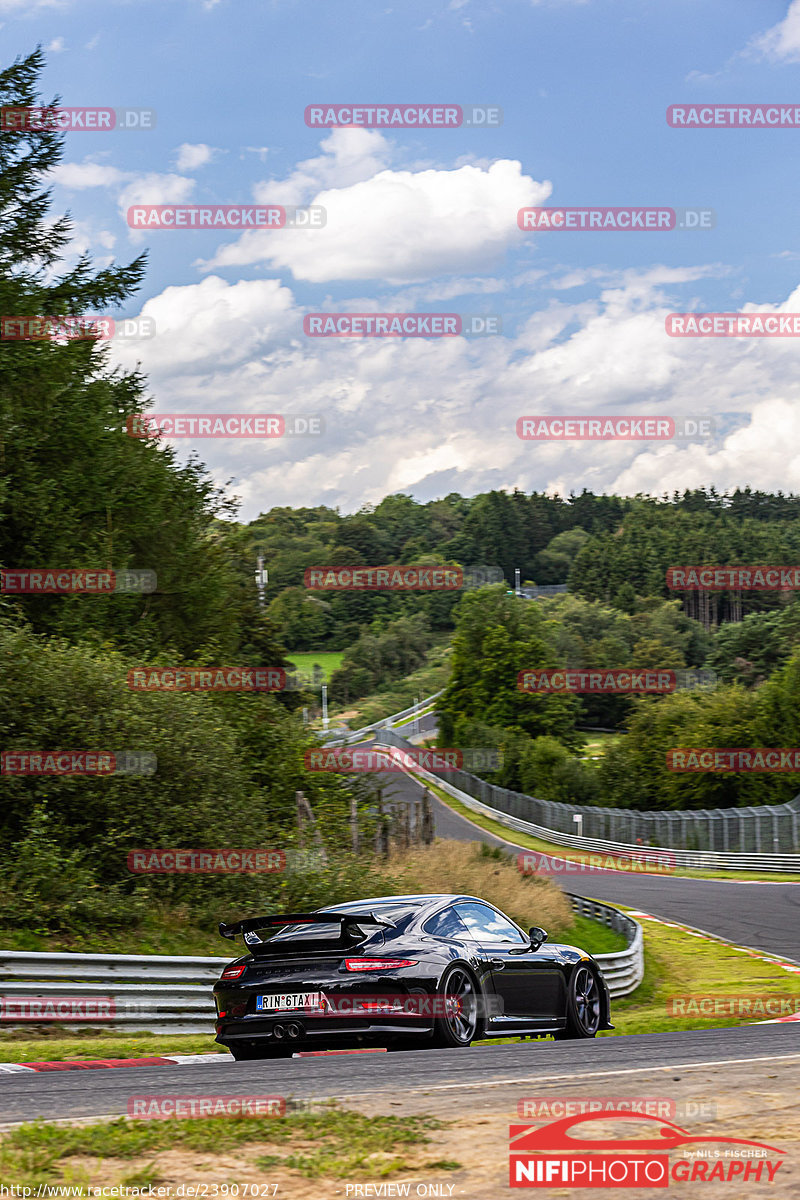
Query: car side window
x=447 y=924
x=485 y=924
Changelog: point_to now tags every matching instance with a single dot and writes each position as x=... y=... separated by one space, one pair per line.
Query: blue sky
x=426 y=220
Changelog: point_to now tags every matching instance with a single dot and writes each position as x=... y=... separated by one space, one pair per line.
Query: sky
x=425 y=221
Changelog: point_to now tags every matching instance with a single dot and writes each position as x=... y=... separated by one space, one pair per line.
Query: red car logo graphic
x=556 y=1136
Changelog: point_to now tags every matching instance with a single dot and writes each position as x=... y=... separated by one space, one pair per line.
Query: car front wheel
x=583 y=1005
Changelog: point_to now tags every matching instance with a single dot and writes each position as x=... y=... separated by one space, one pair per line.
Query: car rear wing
x=278 y=920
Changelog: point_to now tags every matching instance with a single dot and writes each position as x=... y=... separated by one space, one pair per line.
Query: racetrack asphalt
x=765 y=916
x=437 y=1073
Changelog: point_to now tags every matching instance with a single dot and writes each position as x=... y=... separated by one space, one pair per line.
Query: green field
x=328 y=660
x=596 y=745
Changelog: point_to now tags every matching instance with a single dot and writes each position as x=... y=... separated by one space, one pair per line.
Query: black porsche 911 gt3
x=405 y=972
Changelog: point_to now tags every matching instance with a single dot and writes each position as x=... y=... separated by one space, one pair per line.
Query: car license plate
x=291 y=1002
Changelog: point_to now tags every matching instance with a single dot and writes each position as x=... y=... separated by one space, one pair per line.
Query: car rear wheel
x=583 y=1005
x=460 y=1024
x=246 y=1052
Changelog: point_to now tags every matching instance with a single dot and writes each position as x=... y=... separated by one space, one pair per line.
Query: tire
x=248 y=1051
x=583 y=1005
x=463 y=1025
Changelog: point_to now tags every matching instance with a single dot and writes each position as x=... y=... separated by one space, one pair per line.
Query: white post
x=325 y=706
x=262 y=578
x=578 y=819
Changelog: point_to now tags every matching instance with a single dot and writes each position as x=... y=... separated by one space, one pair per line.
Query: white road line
x=570 y=1076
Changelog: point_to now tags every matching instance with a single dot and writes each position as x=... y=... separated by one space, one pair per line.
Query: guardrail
x=624 y=970
x=129 y=992
x=357 y=735
x=162 y=994
x=688 y=859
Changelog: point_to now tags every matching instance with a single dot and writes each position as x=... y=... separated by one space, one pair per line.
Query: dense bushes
x=228 y=770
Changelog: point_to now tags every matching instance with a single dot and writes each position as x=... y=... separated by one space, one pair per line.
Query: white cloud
x=350 y=156
x=154 y=188
x=782 y=42
x=12 y=7
x=57 y=46
x=764 y=453
x=190 y=156
x=395 y=226
x=206 y=327
x=438 y=416
x=77 y=176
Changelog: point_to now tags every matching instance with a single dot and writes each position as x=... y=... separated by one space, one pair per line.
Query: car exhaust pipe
x=294 y=1030
x=279 y=1032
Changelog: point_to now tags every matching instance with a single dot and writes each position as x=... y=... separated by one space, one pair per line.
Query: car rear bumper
x=299 y=1031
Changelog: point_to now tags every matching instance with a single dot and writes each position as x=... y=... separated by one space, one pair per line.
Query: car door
x=529 y=982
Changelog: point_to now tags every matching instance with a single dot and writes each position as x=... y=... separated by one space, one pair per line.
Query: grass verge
x=336 y=1144
x=328 y=660
x=430 y=678
x=45 y=1044
x=681 y=964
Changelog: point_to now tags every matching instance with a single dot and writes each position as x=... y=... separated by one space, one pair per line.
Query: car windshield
x=322 y=932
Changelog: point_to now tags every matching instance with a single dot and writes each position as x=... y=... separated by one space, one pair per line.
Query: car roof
x=422 y=900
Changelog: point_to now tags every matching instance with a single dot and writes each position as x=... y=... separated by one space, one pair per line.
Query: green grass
x=430 y=678
x=680 y=964
x=328 y=660
x=163 y=930
x=423 y=712
x=591 y=936
x=596 y=745
x=56 y=1043
x=334 y=1143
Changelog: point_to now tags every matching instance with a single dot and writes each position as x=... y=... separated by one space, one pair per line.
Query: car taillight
x=233 y=972
x=377 y=964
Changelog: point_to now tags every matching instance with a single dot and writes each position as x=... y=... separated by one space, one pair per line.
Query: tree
x=76 y=490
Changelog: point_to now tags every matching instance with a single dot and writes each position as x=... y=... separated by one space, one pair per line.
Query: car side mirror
x=538 y=937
